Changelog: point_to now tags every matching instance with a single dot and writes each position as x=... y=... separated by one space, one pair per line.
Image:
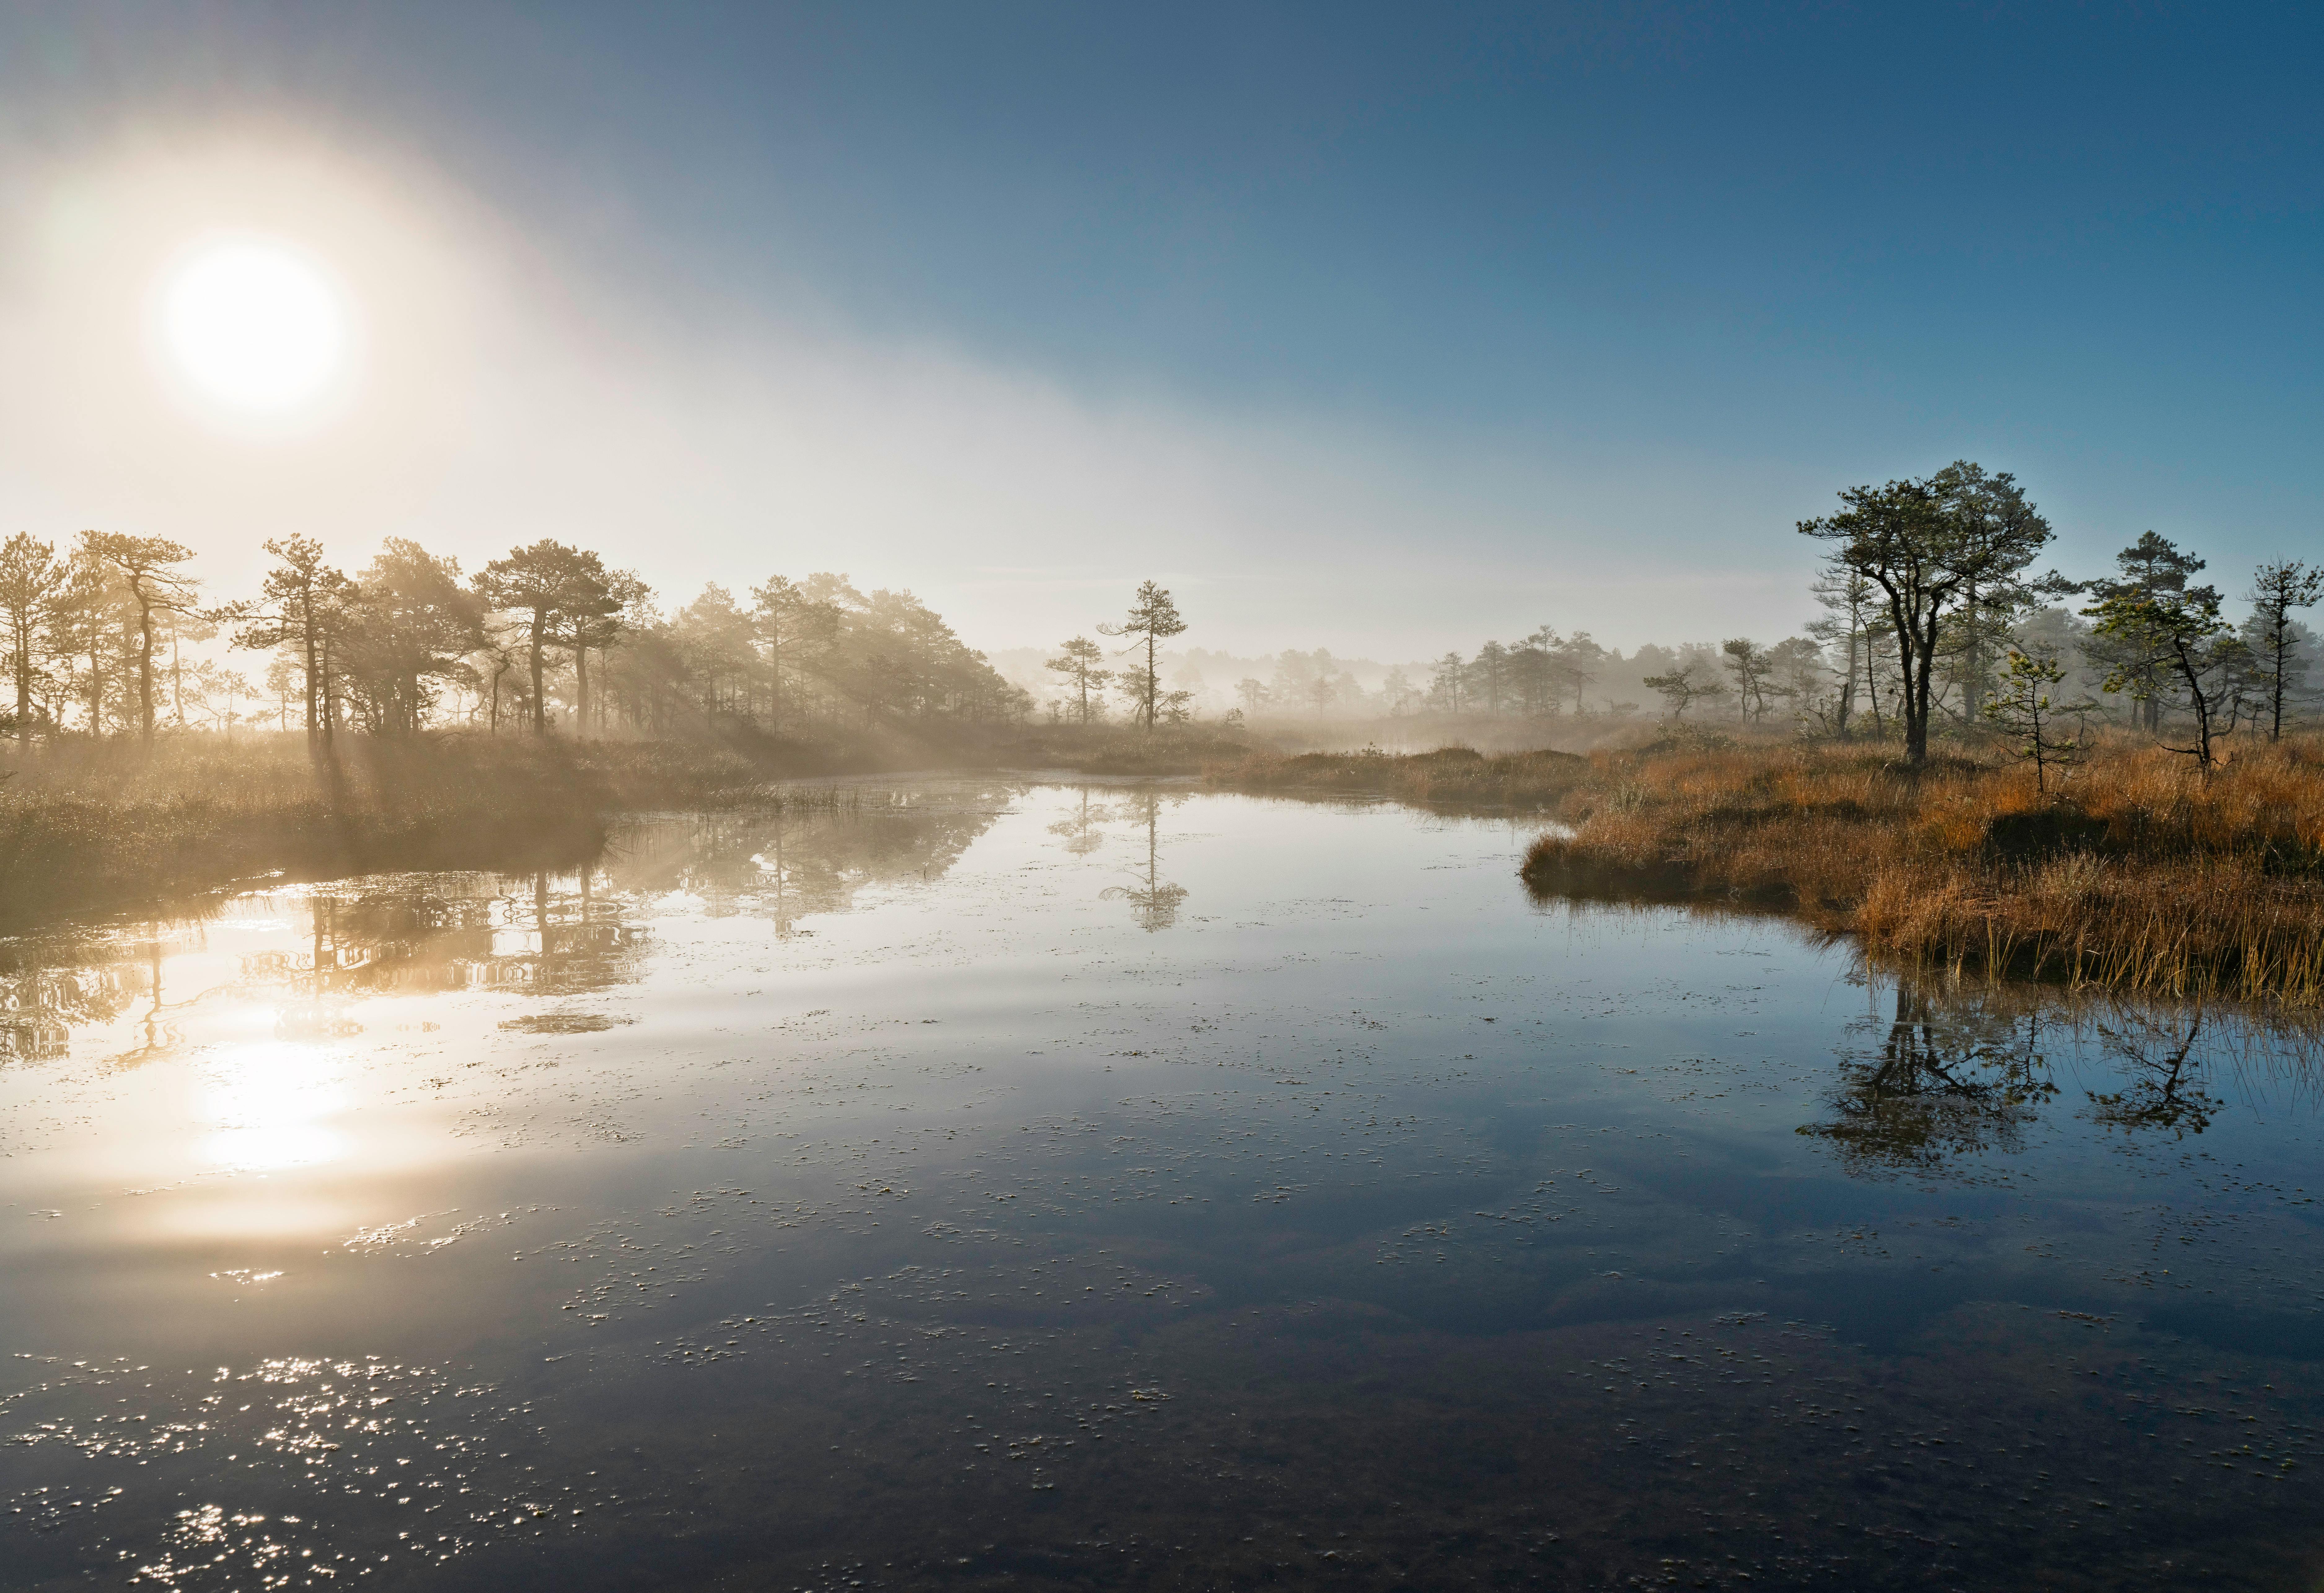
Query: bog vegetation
x=1975 y=767
x=1964 y=758
x=2147 y=873
x=408 y=715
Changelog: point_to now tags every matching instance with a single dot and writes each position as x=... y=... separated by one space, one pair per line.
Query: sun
x=255 y=326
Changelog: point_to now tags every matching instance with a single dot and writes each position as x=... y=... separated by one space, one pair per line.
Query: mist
x=922 y=796
x=508 y=391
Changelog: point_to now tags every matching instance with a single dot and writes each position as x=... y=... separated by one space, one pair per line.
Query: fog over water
x=764 y=769
x=971 y=1179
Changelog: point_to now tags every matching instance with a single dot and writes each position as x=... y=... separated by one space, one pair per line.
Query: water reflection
x=2166 y=1075
x=1079 y=828
x=269 y=1107
x=40 y=1004
x=805 y=857
x=1950 y=1077
x=544 y=933
x=1154 y=901
x=548 y=932
x=900 y=1211
x=1960 y=1071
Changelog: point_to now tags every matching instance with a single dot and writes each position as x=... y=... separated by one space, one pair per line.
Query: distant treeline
x=98 y=640
x=1933 y=621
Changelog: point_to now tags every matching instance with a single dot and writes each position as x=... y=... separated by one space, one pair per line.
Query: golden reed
x=2140 y=875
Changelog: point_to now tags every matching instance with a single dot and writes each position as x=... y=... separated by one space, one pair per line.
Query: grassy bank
x=2140 y=876
x=92 y=827
x=86 y=829
x=1449 y=777
x=1114 y=750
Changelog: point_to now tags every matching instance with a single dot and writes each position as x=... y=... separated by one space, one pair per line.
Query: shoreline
x=2141 y=875
x=89 y=830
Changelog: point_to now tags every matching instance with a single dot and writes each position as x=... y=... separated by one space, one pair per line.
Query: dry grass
x=91 y=827
x=2141 y=876
x=88 y=828
x=1448 y=777
x=1114 y=749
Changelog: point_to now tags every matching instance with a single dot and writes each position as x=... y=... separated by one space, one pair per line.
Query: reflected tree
x=452 y=932
x=1079 y=828
x=41 y=1005
x=1154 y=901
x=158 y=1034
x=804 y=855
x=1947 y=1082
x=51 y=986
x=2164 y=1087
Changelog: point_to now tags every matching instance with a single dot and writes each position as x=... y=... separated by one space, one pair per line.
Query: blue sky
x=1577 y=298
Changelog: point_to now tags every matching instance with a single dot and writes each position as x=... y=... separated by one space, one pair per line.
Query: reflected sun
x=270 y=1106
x=255 y=326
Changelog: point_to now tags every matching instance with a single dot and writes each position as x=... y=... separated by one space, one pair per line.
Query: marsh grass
x=2141 y=875
x=90 y=828
x=1449 y=777
x=1117 y=750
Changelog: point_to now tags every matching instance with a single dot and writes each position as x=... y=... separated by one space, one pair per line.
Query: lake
x=974 y=1184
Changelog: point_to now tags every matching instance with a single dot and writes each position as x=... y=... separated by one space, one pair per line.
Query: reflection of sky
x=1361 y=1067
x=268 y=1105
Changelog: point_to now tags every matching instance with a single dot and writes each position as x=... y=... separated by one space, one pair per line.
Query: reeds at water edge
x=2141 y=874
x=87 y=827
x=2138 y=873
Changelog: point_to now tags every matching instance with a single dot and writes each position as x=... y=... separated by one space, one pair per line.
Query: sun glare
x=269 y=1107
x=255 y=326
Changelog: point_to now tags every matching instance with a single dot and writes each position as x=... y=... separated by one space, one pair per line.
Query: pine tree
x=32 y=582
x=2277 y=589
x=552 y=589
x=143 y=566
x=1078 y=662
x=2022 y=708
x=1153 y=620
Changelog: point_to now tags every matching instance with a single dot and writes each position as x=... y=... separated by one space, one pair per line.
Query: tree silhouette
x=1953 y=547
x=304 y=607
x=143 y=566
x=1153 y=620
x=551 y=588
x=33 y=581
x=2153 y=566
x=2280 y=587
x=2174 y=642
x=1077 y=663
x=1683 y=686
x=413 y=623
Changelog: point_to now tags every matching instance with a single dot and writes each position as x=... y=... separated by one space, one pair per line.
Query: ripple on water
x=1024 y=1184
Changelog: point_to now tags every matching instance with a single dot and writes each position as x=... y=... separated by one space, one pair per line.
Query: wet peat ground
x=1007 y=1187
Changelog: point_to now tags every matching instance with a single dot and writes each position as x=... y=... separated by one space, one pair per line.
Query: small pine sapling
x=2022 y=709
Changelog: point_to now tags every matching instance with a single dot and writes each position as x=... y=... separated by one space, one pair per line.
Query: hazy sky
x=1384 y=328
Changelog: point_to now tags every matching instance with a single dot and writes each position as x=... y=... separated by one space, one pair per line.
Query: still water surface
x=983 y=1185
